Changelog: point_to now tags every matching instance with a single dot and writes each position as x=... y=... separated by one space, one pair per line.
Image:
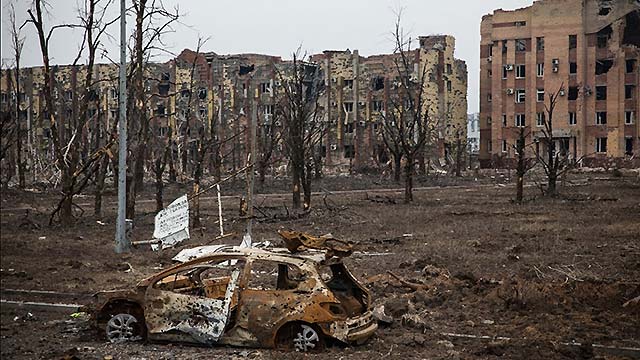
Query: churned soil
x=534 y=279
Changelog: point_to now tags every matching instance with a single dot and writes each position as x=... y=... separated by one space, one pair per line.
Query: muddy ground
x=545 y=274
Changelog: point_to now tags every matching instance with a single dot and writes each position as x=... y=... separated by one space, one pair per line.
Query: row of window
x=520 y=45
x=600 y=145
x=600 y=118
x=602 y=67
x=601 y=93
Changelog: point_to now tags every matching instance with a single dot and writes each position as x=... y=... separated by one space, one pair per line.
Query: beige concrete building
x=588 y=50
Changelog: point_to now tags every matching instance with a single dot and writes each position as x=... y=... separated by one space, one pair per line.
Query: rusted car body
x=243 y=297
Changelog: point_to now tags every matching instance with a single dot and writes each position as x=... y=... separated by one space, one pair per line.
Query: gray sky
x=277 y=27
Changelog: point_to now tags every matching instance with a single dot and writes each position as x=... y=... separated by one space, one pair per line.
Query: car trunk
x=353 y=297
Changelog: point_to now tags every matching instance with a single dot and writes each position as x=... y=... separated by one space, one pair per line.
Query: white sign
x=172 y=224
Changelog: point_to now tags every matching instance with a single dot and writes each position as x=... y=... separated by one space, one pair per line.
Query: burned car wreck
x=243 y=297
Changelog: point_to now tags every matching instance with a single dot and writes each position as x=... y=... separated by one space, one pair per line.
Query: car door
x=189 y=315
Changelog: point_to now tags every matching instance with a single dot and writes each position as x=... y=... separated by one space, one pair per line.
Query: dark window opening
x=521 y=45
x=160 y=110
x=603 y=66
x=165 y=76
x=349 y=152
x=349 y=128
x=628 y=91
x=490 y=49
x=603 y=37
x=540 y=43
x=520 y=23
x=185 y=93
x=573 y=93
x=631 y=35
x=245 y=69
x=630 y=65
x=604 y=11
x=163 y=89
x=504 y=46
x=601 y=118
x=573 y=68
x=628 y=146
x=601 y=93
x=573 y=41
x=348 y=83
x=378 y=83
x=202 y=93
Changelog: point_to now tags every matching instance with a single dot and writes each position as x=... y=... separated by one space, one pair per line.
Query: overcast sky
x=277 y=27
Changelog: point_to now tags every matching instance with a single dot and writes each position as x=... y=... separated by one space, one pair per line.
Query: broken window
x=491 y=49
x=488 y=120
x=348 y=106
x=377 y=105
x=488 y=97
x=349 y=128
x=573 y=93
x=601 y=93
x=271 y=276
x=540 y=95
x=601 y=118
x=520 y=95
x=540 y=70
x=489 y=145
x=265 y=87
x=630 y=65
x=572 y=118
x=604 y=7
x=631 y=35
x=504 y=120
x=603 y=37
x=267 y=109
x=504 y=146
x=505 y=70
x=573 y=68
x=573 y=41
x=520 y=120
x=628 y=117
x=448 y=85
x=202 y=93
x=163 y=89
x=540 y=119
x=349 y=153
x=184 y=93
x=603 y=66
x=521 y=45
x=504 y=46
x=540 y=43
x=628 y=91
x=520 y=23
x=160 y=110
x=245 y=69
x=378 y=83
x=348 y=83
x=489 y=72
x=601 y=145
x=165 y=76
x=520 y=71
x=628 y=145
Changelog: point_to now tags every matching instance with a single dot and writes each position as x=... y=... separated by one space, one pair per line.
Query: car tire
x=125 y=324
x=300 y=337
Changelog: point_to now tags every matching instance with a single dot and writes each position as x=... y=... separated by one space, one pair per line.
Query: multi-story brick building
x=226 y=91
x=590 y=49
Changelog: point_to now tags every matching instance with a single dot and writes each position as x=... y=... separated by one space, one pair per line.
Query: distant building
x=226 y=91
x=590 y=48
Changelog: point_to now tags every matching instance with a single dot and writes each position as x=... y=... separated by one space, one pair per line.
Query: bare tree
x=555 y=162
x=407 y=120
x=17 y=43
x=524 y=164
x=152 y=21
x=268 y=138
x=76 y=171
x=302 y=86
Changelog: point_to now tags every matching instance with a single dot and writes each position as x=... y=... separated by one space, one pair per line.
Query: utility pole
x=253 y=119
x=122 y=243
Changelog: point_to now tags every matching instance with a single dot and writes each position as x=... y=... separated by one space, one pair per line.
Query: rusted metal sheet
x=297 y=241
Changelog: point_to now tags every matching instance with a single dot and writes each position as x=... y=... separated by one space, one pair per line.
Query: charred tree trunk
x=307 y=186
x=408 y=180
x=297 y=175
x=397 y=167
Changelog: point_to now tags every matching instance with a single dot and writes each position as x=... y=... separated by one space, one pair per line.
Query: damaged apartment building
x=221 y=94
x=586 y=51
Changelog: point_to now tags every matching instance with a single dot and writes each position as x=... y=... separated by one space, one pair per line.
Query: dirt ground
x=532 y=278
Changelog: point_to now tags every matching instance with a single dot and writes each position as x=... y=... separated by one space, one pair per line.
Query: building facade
x=587 y=52
x=220 y=94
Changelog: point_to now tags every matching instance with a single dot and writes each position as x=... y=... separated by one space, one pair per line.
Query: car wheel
x=300 y=337
x=123 y=327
